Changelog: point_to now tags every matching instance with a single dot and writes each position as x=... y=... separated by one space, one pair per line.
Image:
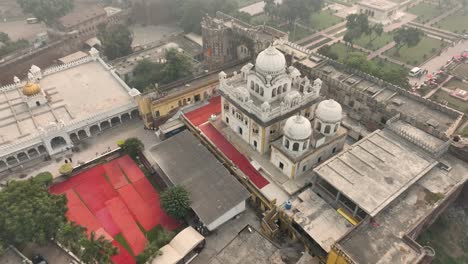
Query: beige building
x=379 y=11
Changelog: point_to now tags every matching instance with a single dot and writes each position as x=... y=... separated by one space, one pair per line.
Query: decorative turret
x=297 y=132
x=328 y=117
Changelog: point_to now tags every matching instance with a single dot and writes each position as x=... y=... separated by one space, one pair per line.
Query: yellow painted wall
x=149 y=109
x=334 y=258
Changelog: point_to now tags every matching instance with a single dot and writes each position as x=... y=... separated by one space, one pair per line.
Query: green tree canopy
x=132 y=147
x=71 y=235
x=147 y=73
x=356 y=26
x=297 y=9
x=116 y=41
x=46 y=10
x=30 y=213
x=407 y=36
x=97 y=250
x=175 y=201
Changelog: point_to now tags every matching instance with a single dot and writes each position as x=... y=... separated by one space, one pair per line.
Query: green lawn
x=322 y=20
x=377 y=43
x=426 y=11
x=296 y=33
x=453 y=84
x=442 y=97
x=386 y=65
x=340 y=49
x=264 y=19
x=418 y=54
x=457 y=22
x=461 y=70
x=448 y=237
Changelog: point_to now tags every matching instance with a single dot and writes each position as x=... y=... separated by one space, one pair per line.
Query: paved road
x=436 y=63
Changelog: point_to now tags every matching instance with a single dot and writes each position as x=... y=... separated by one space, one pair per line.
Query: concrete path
x=380 y=51
x=440 y=86
x=321 y=32
x=438 y=62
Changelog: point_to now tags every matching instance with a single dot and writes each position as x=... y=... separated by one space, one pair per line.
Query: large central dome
x=270 y=62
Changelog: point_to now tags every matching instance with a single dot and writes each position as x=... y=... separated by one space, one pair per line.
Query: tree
x=71 y=236
x=377 y=29
x=116 y=41
x=175 y=201
x=45 y=178
x=407 y=36
x=4 y=37
x=291 y=10
x=146 y=74
x=193 y=11
x=132 y=147
x=356 y=26
x=97 y=251
x=46 y=10
x=30 y=213
x=177 y=66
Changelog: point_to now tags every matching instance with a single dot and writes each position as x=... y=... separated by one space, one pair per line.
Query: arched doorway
x=115 y=121
x=2 y=164
x=74 y=137
x=94 y=130
x=41 y=149
x=32 y=153
x=135 y=114
x=82 y=134
x=58 y=142
x=11 y=160
x=125 y=117
x=105 y=125
x=22 y=156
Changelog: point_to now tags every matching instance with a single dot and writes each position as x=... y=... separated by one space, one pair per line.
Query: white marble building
x=267 y=98
x=57 y=107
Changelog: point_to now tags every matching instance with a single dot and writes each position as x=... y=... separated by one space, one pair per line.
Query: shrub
x=66 y=169
x=175 y=201
x=132 y=147
x=44 y=177
x=433 y=50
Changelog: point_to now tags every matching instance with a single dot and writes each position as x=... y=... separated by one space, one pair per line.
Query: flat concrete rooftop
x=382 y=240
x=378 y=4
x=248 y=247
x=394 y=100
x=74 y=94
x=319 y=219
x=382 y=164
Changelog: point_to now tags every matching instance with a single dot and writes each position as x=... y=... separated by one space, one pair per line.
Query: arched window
x=251 y=85
x=261 y=91
x=295 y=147
x=327 y=129
x=304 y=146
x=273 y=92
x=319 y=126
x=286 y=143
x=336 y=128
x=279 y=90
x=256 y=88
x=285 y=87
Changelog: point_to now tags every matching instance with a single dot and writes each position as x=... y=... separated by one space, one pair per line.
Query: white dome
x=329 y=111
x=270 y=61
x=297 y=128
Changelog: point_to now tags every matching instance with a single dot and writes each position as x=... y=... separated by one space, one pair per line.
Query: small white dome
x=297 y=128
x=270 y=61
x=329 y=111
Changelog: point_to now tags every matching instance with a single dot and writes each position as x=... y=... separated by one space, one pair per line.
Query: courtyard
x=117 y=201
x=322 y=20
x=445 y=98
x=418 y=54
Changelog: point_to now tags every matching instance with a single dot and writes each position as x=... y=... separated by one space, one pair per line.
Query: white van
x=415 y=71
x=32 y=20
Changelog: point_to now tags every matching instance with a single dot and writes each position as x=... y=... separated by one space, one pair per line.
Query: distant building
x=216 y=196
x=270 y=104
x=379 y=11
x=57 y=107
x=227 y=39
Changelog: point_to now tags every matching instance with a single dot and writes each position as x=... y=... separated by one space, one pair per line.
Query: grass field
x=377 y=43
x=426 y=11
x=296 y=33
x=461 y=70
x=448 y=237
x=386 y=65
x=323 y=20
x=418 y=54
x=457 y=22
x=442 y=97
x=264 y=19
x=453 y=84
x=340 y=50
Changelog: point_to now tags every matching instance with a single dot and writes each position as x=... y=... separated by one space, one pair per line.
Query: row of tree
x=46 y=10
x=8 y=46
x=292 y=10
